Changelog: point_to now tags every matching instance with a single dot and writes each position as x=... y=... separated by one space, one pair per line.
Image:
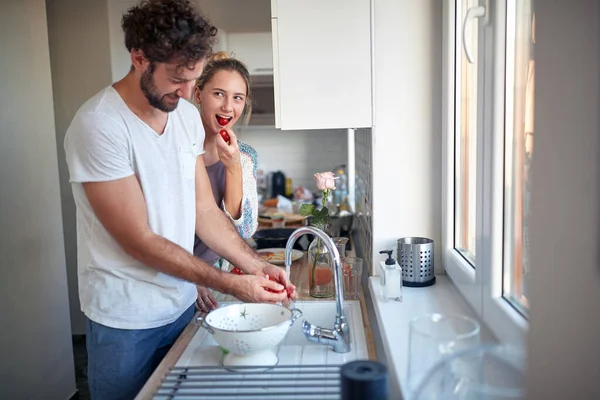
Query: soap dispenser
x=391 y=277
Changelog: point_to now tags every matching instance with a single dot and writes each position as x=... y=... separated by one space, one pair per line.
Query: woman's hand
x=205 y=301
x=229 y=153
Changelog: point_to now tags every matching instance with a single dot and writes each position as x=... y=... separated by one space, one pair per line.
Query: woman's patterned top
x=247 y=223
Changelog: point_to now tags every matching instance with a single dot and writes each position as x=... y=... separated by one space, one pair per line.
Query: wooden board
x=289 y=219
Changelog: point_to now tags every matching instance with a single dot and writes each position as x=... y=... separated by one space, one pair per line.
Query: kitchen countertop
x=299 y=277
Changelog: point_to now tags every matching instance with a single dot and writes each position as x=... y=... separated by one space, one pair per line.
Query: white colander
x=250 y=332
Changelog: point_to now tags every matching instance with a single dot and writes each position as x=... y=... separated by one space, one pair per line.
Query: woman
x=223 y=96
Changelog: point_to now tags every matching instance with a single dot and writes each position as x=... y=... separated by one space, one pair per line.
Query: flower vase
x=320 y=271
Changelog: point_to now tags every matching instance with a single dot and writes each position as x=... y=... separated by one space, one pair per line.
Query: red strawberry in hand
x=237 y=271
x=224 y=135
x=288 y=289
x=271 y=290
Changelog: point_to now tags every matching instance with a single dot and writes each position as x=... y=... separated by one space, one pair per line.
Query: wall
x=80 y=57
x=119 y=56
x=407 y=123
x=36 y=349
x=298 y=154
x=564 y=356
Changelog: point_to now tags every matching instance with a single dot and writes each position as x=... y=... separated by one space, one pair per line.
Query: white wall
x=564 y=356
x=407 y=123
x=81 y=67
x=36 y=349
x=119 y=56
x=298 y=154
x=222 y=44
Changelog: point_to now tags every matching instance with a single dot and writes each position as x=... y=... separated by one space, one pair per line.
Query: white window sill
x=393 y=320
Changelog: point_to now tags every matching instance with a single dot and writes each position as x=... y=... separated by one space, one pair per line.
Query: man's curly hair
x=168 y=31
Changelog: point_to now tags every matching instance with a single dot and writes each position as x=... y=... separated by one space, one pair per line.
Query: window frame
x=482 y=286
x=459 y=270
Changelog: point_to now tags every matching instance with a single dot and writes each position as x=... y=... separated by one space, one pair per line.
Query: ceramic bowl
x=249 y=332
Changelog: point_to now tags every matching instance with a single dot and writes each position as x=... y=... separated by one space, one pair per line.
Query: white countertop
x=295 y=349
x=393 y=320
x=199 y=368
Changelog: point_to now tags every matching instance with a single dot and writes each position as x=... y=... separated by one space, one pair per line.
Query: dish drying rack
x=297 y=382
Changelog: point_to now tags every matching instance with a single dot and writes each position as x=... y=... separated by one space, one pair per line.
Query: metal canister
x=415 y=257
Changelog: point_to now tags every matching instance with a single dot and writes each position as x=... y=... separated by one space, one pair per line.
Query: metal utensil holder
x=415 y=257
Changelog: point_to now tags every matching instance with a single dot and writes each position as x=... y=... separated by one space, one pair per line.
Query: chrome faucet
x=339 y=336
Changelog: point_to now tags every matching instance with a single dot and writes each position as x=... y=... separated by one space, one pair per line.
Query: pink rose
x=325 y=180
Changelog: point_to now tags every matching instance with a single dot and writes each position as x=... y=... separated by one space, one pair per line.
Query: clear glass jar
x=340 y=244
x=320 y=270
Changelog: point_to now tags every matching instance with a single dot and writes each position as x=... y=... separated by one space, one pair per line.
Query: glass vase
x=320 y=270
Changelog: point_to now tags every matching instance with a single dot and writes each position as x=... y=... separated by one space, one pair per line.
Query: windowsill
x=393 y=321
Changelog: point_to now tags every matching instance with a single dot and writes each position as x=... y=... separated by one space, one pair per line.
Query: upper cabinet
x=254 y=49
x=322 y=63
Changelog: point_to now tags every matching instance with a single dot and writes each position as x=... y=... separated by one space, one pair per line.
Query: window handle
x=472 y=13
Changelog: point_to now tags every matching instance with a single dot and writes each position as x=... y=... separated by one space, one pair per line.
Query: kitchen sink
x=295 y=349
x=322 y=314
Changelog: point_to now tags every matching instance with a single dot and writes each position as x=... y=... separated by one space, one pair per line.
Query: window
x=488 y=144
x=465 y=130
x=520 y=84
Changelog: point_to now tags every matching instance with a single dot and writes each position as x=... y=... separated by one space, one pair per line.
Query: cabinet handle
x=472 y=13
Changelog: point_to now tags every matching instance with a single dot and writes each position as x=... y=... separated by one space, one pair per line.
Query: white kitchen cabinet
x=322 y=63
x=221 y=44
x=254 y=49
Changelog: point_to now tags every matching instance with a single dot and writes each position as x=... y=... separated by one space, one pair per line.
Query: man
x=141 y=191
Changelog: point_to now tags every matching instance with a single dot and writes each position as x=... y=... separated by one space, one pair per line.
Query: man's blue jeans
x=120 y=361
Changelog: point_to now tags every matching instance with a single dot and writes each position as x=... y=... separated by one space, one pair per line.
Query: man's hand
x=252 y=289
x=218 y=233
x=278 y=274
x=205 y=301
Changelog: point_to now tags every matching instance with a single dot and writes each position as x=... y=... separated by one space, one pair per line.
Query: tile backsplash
x=364 y=193
x=298 y=154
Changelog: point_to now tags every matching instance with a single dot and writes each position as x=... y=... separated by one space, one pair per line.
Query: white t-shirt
x=107 y=141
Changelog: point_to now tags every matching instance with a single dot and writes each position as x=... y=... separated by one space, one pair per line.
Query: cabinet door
x=322 y=63
x=254 y=49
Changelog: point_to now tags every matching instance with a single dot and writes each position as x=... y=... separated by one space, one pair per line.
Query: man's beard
x=149 y=89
